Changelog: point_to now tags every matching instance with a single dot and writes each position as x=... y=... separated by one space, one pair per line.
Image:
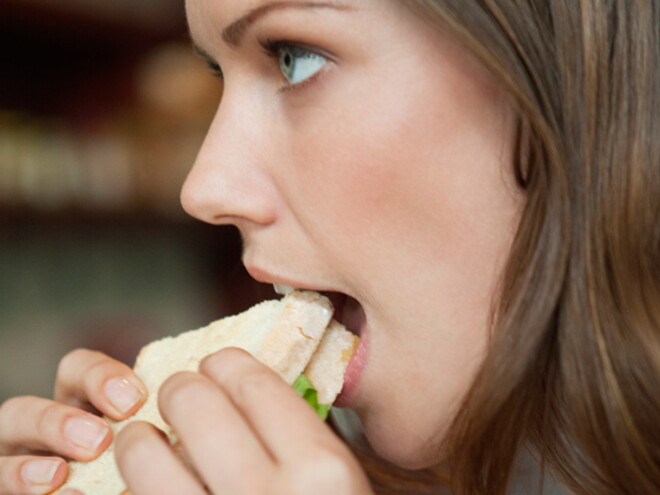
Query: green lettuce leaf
x=306 y=390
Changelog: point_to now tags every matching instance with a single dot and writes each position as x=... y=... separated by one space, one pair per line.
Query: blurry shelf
x=13 y=218
x=102 y=107
x=95 y=18
x=133 y=163
x=52 y=49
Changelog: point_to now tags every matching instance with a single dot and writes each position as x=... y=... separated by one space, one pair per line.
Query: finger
x=89 y=377
x=223 y=448
x=35 y=424
x=148 y=464
x=288 y=426
x=31 y=475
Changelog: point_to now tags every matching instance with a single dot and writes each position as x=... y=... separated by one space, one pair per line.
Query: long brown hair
x=574 y=362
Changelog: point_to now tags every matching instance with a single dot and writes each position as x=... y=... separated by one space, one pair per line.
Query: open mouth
x=348 y=311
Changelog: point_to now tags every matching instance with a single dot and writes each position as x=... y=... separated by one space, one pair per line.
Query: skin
x=386 y=176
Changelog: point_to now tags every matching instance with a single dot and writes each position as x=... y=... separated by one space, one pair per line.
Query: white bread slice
x=283 y=334
x=328 y=366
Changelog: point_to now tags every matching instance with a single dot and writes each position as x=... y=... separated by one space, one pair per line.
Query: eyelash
x=272 y=49
x=215 y=69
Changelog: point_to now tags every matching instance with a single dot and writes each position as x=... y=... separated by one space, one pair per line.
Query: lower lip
x=354 y=370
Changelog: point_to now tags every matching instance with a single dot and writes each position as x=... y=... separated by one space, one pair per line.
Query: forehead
x=230 y=18
x=239 y=8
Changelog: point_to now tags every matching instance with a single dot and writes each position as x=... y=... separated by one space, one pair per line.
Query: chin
x=410 y=459
x=408 y=450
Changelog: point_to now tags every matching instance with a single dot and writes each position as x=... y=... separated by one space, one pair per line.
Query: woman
x=481 y=181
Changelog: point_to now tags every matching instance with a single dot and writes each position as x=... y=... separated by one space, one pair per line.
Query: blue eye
x=297 y=64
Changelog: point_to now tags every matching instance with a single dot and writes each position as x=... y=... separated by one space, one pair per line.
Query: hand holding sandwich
x=245 y=431
x=226 y=421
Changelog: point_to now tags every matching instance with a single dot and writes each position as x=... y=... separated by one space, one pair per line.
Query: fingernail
x=40 y=471
x=85 y=433
x=122 y=394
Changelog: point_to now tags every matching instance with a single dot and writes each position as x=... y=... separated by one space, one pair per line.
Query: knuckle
x=9 y=407
x=222 y=364
x=250 y=384
x=49 y=418
x=322 y=469
x=211 y=365
x=73 y=356
x=10 y=478
x=10 y=410
x=97 y=370
x=177 y=389
x=13 y=410
x=80 y=376
x=130 y=435
x=333 y=468
x=128 y=446
x=69 y=360
x=17 y=423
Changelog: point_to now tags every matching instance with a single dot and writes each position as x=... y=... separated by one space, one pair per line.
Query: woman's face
x=362 y=151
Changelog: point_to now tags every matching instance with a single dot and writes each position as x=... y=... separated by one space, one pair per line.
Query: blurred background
x=102 y=109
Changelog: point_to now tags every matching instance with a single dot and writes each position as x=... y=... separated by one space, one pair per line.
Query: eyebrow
x=234 y=32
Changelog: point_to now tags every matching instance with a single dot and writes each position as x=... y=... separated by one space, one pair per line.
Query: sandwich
x=295 y=336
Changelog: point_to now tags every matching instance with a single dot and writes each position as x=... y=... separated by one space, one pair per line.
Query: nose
x=228 y=183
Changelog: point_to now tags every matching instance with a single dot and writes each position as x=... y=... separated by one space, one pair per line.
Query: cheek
x=378 y=156
x=355 y=159
x=419 y=180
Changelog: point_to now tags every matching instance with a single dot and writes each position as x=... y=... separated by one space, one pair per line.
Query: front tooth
x=283 y=289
